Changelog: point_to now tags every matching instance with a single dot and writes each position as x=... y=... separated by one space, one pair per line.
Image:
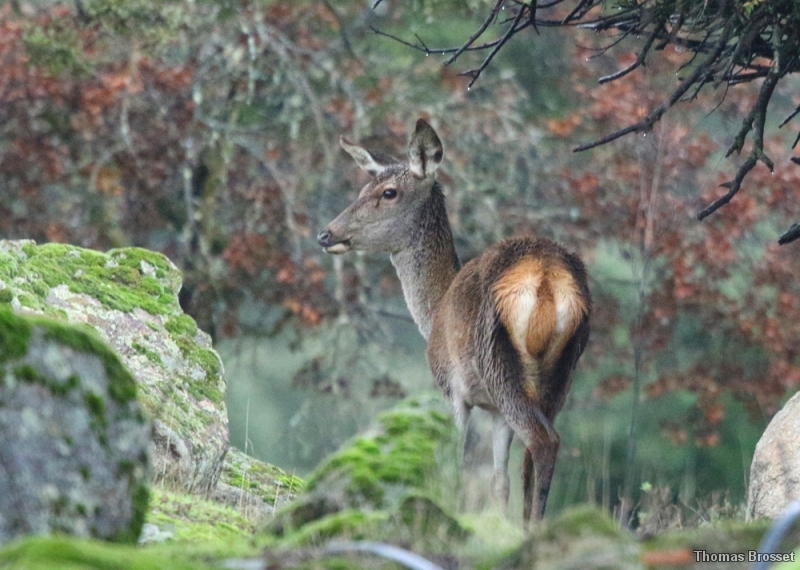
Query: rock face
x=775 y=471
x=74 y=447
x=130 y=297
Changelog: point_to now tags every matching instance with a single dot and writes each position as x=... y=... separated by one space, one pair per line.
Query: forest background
x=208 y=129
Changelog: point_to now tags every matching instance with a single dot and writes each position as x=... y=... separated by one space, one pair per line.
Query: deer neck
x=429 y=264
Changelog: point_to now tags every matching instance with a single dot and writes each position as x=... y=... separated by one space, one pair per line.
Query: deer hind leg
x=502 y=434
x=537 y=470
x=519 y=403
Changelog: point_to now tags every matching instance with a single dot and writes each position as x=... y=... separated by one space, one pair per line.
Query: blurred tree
x=729 y=42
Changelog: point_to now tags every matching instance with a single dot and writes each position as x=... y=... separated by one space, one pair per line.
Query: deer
x=504 y=332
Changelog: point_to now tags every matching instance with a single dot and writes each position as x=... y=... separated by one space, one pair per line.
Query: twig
x=475 y=73
x=639 y=60
x=426 y=50
x=790 y=117
x=477 y=33
x=754 y=122
x=579 y=11
x=790 y=235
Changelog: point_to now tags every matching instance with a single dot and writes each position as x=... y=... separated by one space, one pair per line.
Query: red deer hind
x=504 y=332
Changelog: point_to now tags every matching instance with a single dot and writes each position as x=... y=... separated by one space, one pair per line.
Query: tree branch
x=478 y=32
x=648 y=122
x=639 y=60
x=475 y=73
x=754 y=122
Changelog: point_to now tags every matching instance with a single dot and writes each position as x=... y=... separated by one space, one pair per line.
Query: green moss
x=30 y=301
x=140 y=501
x=181 y=325
x=427 y=520
x=135 y=257
x=183 y=330
x=26 y=373
x=403 y=453
x=61 y=388
x=8 y=267
x=122 y=386
x=151 y=355
x=581 y=521
x=209 y=361
x=389 y=472
x=201 y=523
x=261 y=479
x=6 y=296
x=116 y=279
x=14 y=335
x=62 y=553
x=726 y=536
x=350 y=523
x=96 y=407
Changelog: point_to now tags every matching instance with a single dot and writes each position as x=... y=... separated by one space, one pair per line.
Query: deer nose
x=324 y=238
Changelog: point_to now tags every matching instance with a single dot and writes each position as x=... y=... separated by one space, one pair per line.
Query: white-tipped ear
x=424 y=150
x=362 y=157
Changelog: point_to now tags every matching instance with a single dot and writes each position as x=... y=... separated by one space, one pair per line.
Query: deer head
x=384 y=217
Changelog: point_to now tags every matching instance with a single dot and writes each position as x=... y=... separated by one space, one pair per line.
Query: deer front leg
x=461 y=413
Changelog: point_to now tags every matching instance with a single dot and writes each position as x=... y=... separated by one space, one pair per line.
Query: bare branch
x=478 y=32
x=733 y=187
x=475 y=73
x=754 y=122
x=426 y=50
x=579 y=11
x=790 y=117
x=639 y=60
x=656 y=114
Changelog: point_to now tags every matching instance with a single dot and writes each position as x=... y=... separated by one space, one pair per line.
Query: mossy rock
x=200 y=525
x=255 y=488
x=385 y=484
x=62 y=553
x=74 y=456
x=581 y=537
x=130 y=297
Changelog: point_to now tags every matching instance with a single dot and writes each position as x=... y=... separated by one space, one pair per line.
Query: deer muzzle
x=332 y=245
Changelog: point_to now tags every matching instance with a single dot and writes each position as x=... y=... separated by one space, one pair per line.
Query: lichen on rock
x=130 y=297
x=75 y=441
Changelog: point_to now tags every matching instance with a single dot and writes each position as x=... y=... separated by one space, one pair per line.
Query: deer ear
x=362 y=157
x=424 y=150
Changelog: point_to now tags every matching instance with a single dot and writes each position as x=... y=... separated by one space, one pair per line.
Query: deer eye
x=390 y=194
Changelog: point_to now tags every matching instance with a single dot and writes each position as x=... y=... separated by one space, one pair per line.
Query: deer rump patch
x=540 y=305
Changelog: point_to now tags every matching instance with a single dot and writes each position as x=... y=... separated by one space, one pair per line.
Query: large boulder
x=130 y=297
x=74 y=447
x=775 y=470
